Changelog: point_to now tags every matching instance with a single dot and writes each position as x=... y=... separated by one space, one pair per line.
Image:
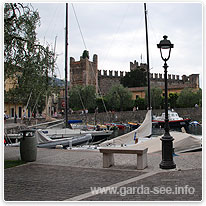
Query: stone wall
x=137 y=116
x=106 y=82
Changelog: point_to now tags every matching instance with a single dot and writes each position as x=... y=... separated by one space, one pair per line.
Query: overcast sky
x=116 y=33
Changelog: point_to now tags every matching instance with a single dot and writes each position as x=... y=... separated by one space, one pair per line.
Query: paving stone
x=180 y=182
x=39 y=182
x=62 y=174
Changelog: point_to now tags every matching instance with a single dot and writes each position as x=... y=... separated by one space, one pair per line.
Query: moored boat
x=118 y=125
x=133 y=125
x=66 y=133
x=174 y=120
x=46 y=142
x=194 y=123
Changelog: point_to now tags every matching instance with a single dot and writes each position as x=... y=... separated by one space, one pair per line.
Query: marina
x=91 y=139
x=111 y=125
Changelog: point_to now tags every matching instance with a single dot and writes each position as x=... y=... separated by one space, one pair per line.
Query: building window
x=29 y=112
x=20 y=112
x=137 y=96
x=12 y=112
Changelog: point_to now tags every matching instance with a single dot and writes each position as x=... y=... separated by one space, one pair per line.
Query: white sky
x=116 y=33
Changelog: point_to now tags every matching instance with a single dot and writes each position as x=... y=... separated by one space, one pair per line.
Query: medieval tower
x=84 y=72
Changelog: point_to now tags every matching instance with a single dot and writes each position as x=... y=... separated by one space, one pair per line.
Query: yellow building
x=11 y=108
x=174 y=85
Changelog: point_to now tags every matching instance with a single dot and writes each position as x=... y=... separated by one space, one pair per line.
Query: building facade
x=12 y=109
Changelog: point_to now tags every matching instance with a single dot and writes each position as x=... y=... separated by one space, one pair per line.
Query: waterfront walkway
x=68 y=175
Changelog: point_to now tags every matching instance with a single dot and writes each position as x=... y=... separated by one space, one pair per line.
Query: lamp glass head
x=165 y=48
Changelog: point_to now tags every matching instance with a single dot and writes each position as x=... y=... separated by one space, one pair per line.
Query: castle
x=85 y=72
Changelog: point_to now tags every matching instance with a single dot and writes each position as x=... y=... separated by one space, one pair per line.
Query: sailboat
x=65 y=136
x=183 y=142
x=45 y=141
x=145 y=129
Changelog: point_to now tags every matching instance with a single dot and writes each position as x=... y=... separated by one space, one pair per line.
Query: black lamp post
x=167 y=140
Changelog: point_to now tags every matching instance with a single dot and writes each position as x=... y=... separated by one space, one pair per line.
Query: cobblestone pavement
x=63 y=174
x=186 y=186
x=93 y=159
x=37 y=182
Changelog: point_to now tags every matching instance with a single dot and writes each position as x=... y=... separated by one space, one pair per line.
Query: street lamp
x=167 y=140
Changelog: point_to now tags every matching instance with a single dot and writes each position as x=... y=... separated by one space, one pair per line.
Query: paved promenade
x=68 y=175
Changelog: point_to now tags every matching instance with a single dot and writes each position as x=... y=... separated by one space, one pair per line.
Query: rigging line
x=79 y=95
x=154 y=35
x=53 y=67
x=133 y=39
x=115 y=35
x=58 y=71
x=51 y=21
x=152 y=28
x=98 y=88
x=90 y=62
x=79 y=26
x=85 y=48
x=28 y=102
x=36 y=102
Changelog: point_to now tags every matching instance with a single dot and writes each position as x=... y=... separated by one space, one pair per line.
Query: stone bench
x=108 y=156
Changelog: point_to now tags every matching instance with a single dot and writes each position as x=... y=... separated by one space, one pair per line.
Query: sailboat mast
x=148 y=66
x=66 y=66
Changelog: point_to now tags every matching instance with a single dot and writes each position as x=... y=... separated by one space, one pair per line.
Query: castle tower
x=84 y=72
x=194 y=80
x=135 y=65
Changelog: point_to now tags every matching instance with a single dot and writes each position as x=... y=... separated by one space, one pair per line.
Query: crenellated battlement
x=153 y=76
x=159 y=76
x=111 y=73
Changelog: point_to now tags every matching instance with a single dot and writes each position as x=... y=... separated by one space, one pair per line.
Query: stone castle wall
x=85 y=72
x=107 y=80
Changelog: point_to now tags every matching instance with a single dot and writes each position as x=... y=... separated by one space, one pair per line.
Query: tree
x=101 y=104
x=85 y=54
x=24 y=57
x=173 y=99
x=140 y=103
x=82 y=97
x=199 y=97
x=156 y=97
x=119 y=98
x=188 y=98
x=135 y=78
